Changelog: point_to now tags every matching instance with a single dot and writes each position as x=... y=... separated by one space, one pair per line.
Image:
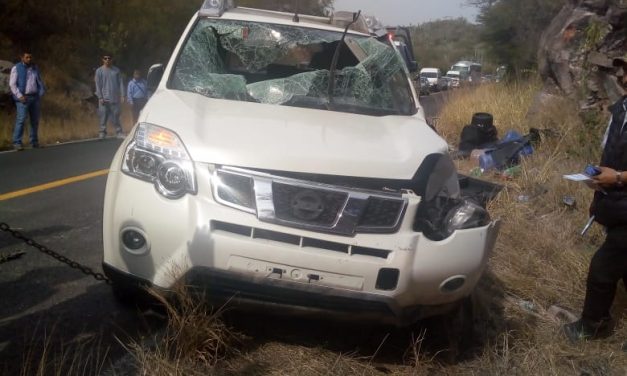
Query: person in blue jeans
x=137 y=93
x=27 y=88
x=110 y=93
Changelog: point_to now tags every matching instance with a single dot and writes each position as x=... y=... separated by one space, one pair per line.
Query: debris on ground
x=569 y=201
x=561 y=314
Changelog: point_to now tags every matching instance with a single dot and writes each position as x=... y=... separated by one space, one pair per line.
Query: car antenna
x=336 y=57
x=296 y=10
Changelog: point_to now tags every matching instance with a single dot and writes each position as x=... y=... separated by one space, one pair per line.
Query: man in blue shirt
x=137 y=93
x=110 y=93
x=27 y=88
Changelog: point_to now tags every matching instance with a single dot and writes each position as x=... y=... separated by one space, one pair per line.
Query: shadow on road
x=85 y=330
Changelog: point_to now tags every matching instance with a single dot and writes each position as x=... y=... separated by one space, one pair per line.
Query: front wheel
x=455 y=331
x=134 y=296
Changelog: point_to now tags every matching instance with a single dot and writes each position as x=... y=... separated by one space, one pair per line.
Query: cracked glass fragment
x=287 y=65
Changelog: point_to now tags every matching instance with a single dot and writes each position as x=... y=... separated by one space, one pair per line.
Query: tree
x=481 y=4
x=511 y=29
x=443 y=42
x=71 y=36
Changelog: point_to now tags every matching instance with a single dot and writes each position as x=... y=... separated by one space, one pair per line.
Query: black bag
x=480 y=134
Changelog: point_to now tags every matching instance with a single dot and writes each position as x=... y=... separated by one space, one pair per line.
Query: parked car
x=432 y=75
x=262 y=175
x=454 y=78
x=443 y=83
x=469 y=71
x=423 y=85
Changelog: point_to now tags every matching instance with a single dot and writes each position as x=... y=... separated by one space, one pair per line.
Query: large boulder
x=582 y=49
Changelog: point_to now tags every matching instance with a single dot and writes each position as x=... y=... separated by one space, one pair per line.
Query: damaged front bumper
x=230 y=255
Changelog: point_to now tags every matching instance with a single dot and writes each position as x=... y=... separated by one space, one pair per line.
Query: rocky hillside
x=581 y=51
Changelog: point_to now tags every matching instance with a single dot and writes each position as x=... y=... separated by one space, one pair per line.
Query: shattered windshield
x=285 y=65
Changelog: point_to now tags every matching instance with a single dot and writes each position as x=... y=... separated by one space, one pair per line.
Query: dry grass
x=194 y=340
x=539 y=261
x=46 y=355
x=539 y=257
x=62 y=119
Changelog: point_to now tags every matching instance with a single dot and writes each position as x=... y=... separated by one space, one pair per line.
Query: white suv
x=264 y=170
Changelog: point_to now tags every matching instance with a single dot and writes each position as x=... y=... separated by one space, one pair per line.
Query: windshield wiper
x=336 y=57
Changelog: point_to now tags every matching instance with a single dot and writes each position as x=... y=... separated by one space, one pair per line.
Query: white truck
x=265 y=172
x=433 y=76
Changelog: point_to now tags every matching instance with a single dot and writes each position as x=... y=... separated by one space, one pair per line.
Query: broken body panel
x=244 y=179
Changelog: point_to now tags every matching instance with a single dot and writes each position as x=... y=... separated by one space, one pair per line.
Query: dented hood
x=272 y=137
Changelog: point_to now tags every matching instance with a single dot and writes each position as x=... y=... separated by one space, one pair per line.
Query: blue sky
x=406 y=12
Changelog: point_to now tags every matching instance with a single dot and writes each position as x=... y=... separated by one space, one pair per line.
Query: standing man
x=609 y=264
x=137 y=94
x=27 y=88
x=110 y=93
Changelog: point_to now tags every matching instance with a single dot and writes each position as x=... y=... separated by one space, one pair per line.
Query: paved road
x=37 y=293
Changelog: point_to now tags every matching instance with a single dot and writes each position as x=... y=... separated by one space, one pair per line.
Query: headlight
x=158 y=156
x=440 y=218
x=467 y=214
x=442 y=211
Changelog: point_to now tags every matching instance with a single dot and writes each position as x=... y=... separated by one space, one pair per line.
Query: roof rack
x=343 y=18
x=215 y=8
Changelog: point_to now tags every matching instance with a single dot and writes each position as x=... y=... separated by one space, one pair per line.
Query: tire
x=456 y=330
x=462 y=325
x=136 y=297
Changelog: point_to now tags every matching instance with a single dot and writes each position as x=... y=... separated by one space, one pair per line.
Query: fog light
x=387 y=279
x=453 y=284
x=133 y=240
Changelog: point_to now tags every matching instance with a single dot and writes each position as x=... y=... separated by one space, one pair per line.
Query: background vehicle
x=443 y=83
x=454 y=78
x=423 y=85
x=401 y=36
x=468 y=70
x=432 y=75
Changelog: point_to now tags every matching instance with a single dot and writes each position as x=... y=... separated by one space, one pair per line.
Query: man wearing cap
x=110 y=93
x=27 y=88
x=609 y=207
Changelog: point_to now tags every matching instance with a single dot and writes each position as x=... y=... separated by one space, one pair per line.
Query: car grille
x=309 y=205
x=297 y=241
x=315 y=206
x=380 y=213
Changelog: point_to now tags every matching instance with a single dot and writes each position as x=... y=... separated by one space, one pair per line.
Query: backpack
x=480 y=134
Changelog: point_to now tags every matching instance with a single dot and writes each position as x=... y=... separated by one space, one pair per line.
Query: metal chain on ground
x=72 y=264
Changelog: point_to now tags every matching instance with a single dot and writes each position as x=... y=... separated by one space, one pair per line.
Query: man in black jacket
x=609 y=264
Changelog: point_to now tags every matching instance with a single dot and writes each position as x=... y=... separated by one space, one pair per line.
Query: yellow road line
x=54 y=184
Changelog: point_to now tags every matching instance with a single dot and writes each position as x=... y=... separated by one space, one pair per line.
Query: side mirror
x=155 y=73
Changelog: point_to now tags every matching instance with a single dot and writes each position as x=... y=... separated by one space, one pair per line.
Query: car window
x=285 y=65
